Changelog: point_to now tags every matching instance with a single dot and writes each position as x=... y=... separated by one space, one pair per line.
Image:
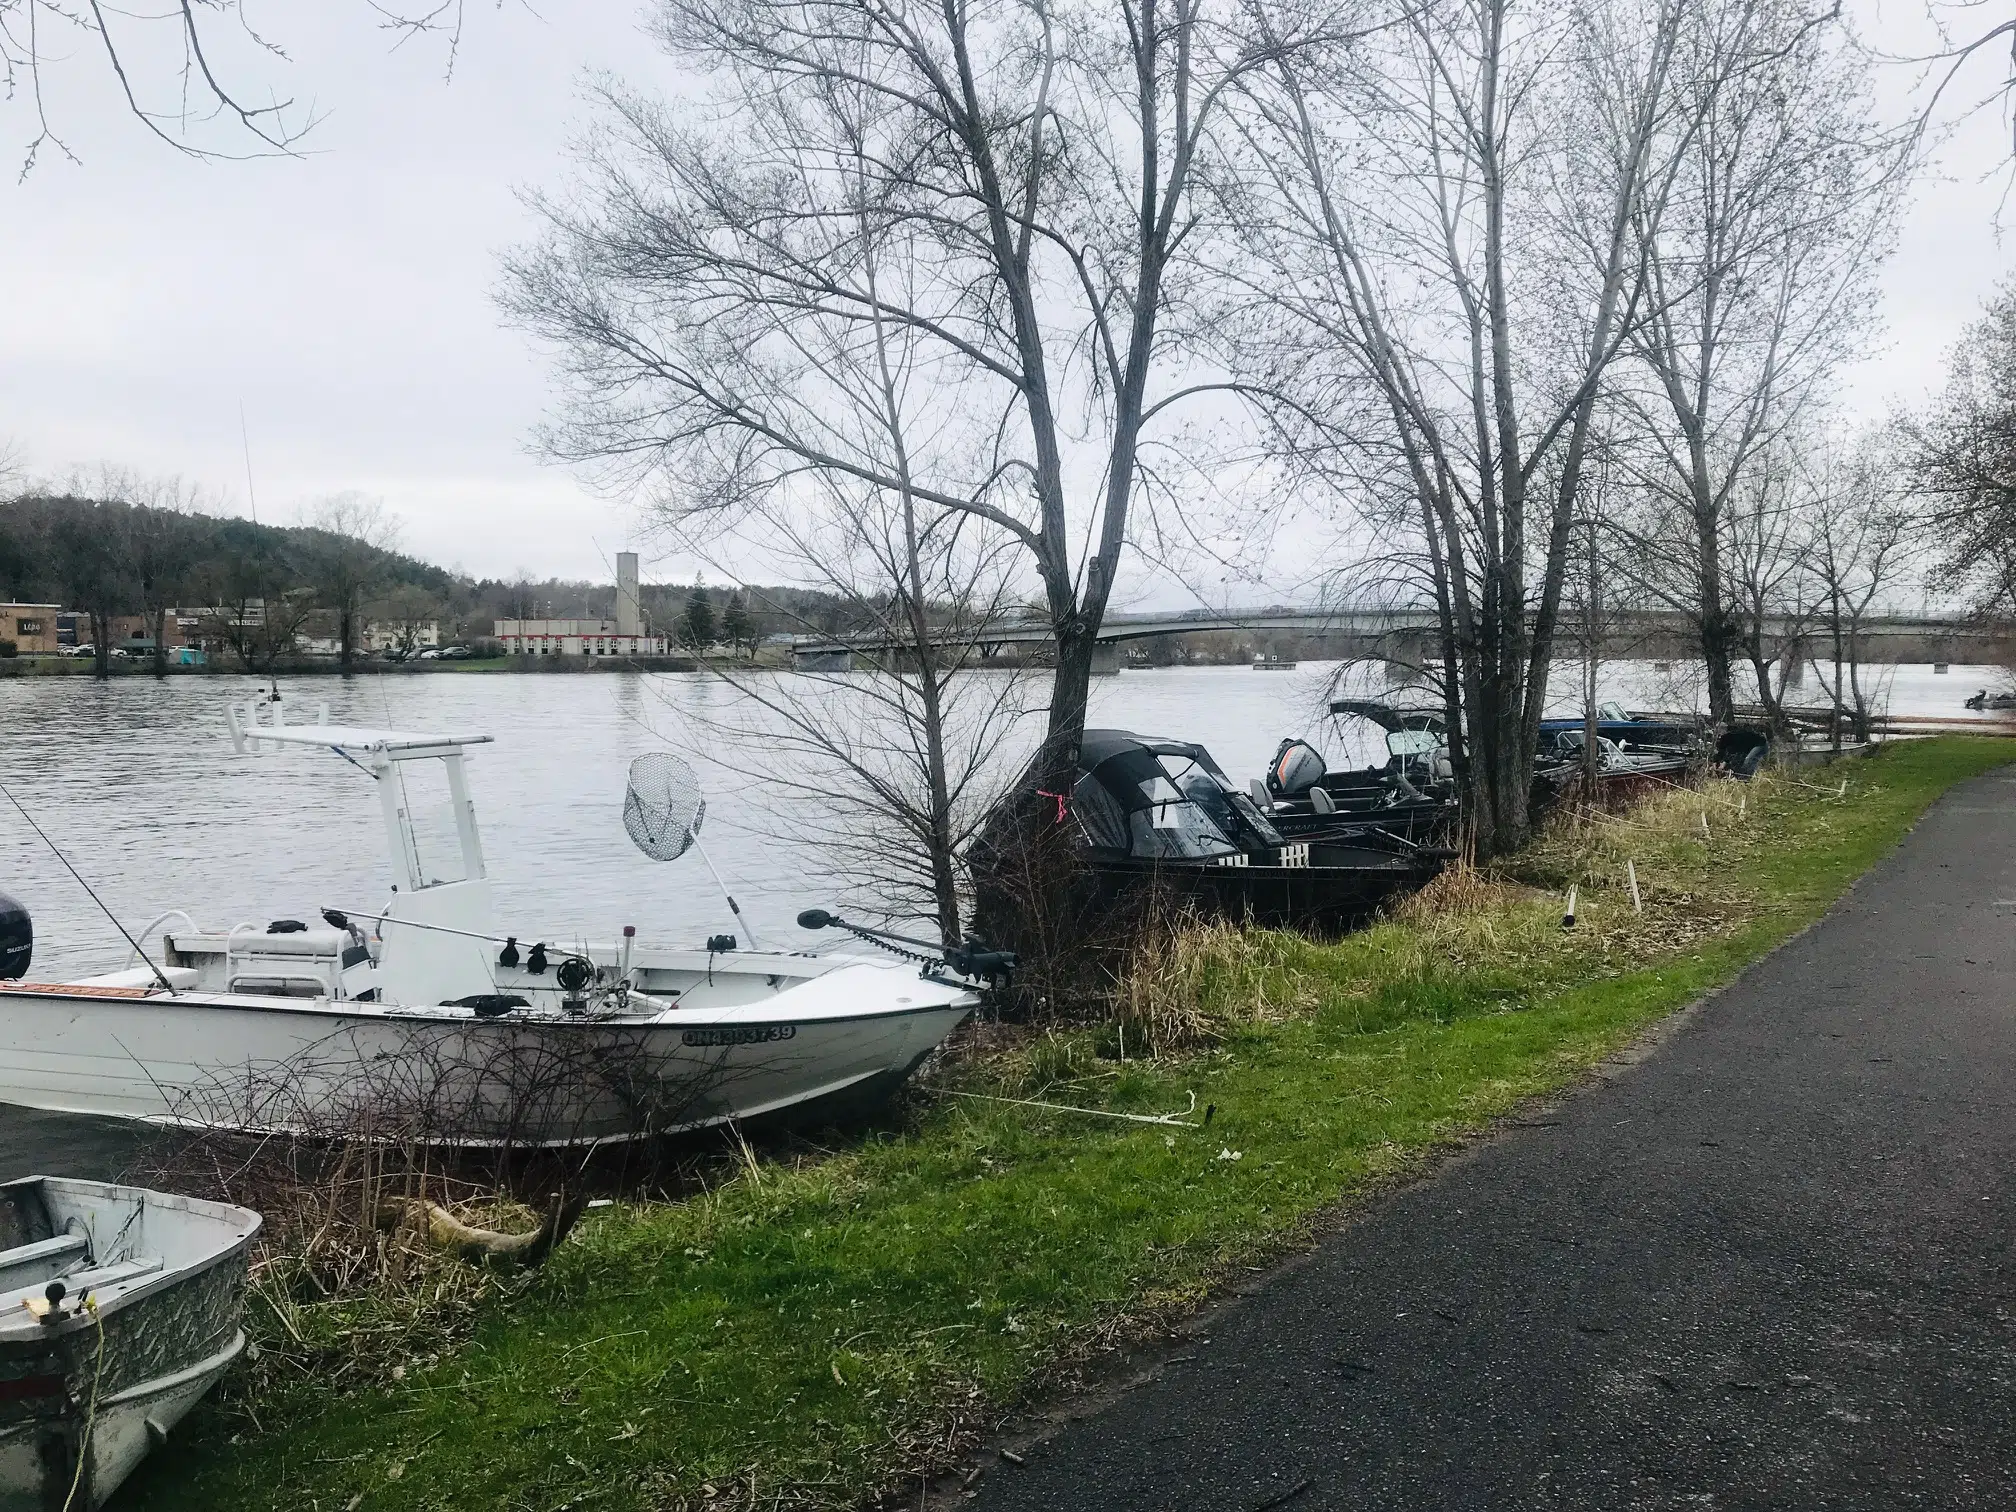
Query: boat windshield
x=1166 y=802
x=1229 y=809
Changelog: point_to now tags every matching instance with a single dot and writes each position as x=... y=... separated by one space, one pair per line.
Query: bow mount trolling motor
x=973 y=959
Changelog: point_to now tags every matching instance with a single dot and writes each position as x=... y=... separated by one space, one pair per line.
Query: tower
x=629 y=620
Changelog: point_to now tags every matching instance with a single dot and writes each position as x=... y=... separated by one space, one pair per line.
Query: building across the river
x=625 y=635
x=32 y=627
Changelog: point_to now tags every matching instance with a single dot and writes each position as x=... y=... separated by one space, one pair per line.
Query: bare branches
x=184 y=69
x=1963 y=459
x=1027 y=178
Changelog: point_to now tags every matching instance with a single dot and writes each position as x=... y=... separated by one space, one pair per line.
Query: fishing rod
x=159 y=975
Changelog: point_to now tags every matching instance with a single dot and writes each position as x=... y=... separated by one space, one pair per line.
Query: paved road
x=1771 y=1267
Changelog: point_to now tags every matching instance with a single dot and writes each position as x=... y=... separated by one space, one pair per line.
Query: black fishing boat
x=1409 y=798
x=1146 y=813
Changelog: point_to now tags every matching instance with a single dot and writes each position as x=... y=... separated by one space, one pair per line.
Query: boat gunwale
x=121 y=1295
x=377 y=1013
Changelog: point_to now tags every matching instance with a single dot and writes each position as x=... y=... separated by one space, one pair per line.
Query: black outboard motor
x=17 y=939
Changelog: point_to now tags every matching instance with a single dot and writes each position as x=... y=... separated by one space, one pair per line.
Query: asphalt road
x=1769 y=1267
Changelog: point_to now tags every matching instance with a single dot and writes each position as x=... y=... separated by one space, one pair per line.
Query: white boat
x=118 y=1309
x=433 y=1019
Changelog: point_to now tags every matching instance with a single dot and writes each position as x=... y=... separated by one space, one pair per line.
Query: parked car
x=456 y=653
x=76 y=650
x=430 y=654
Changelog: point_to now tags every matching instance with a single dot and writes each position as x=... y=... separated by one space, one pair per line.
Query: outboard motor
x=17 y=939
x=1296 y=768
x=1741 y=752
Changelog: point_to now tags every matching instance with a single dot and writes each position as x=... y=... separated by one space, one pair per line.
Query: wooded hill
x=109 y=558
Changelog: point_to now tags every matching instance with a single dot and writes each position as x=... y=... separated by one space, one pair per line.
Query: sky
x=340 y=301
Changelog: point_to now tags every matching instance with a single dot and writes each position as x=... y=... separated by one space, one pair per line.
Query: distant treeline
x=268 y=585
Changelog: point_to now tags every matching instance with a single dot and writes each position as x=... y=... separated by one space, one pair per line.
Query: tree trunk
x=160 y=640
x=1070 y=697
x=101 y=643
x=346 y=630
x=1717 y=633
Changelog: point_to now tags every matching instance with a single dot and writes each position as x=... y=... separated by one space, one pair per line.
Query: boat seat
x=46 y=1259
x=78 y=1283
x=274 y=984
x=1321 y=801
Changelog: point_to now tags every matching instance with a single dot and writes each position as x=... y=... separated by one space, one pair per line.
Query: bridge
x=1412 y=634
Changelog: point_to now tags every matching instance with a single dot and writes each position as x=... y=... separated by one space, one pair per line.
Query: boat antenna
x=245 y=441
x=159 y=975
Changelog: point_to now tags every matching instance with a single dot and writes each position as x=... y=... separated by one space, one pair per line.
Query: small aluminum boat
x=119 y=1307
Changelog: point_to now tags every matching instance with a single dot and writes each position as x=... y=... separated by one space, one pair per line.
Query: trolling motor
x=973 y=959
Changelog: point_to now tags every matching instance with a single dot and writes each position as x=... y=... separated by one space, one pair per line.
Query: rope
x=91 y=1413
x=1168 y=1120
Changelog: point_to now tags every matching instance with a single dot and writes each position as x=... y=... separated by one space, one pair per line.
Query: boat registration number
x=740 y=1034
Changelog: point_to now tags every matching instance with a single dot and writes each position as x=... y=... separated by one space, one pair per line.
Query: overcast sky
x=343 y=299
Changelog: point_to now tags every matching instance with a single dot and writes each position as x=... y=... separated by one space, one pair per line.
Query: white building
x=576 y=637
x=397 y=635
x=625 y=635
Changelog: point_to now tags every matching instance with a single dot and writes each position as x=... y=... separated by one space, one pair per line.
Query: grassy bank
x=811 y=1328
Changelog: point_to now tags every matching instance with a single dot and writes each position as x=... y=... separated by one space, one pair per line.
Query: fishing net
x=663 y=808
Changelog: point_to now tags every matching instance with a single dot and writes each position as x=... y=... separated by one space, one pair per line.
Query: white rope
x=1169 y=1120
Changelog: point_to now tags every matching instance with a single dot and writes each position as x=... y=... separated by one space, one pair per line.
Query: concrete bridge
x=1412 y=635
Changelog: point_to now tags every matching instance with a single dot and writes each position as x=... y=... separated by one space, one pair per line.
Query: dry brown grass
x=1194 y=979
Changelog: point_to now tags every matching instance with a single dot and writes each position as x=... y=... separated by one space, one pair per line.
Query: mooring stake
x=1631 y=875
x=1568 y=918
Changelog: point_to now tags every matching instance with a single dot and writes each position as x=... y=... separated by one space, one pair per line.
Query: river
x=138 y=785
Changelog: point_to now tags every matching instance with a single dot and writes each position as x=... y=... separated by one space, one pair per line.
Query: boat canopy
x=1390 y=719
x=1162 y=800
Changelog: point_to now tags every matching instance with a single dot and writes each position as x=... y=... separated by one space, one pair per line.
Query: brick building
x=32 y=627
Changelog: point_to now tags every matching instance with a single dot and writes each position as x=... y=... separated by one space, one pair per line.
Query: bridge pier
x=1106 y=661
x=822 y=659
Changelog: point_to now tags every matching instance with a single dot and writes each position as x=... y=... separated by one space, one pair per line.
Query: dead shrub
x=1188 y=981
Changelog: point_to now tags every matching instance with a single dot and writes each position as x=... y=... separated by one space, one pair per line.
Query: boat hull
x=108 y=1389
x=1318 y=897
x=357 y=1071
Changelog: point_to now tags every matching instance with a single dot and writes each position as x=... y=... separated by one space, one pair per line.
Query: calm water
x=138 y=784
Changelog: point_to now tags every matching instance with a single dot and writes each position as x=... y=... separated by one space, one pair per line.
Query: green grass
x=805 y=1332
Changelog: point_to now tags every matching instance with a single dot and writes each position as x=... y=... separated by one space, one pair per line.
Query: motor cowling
x=1297 y=767
x=17 y=939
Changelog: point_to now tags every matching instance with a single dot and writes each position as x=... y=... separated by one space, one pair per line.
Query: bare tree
x=346 y=560
x=187 y=70
x=1962 y=459
x=1768 y=584
x=1035 y=170
x=408 y=614
x=157 y=540
x=1446 y=215
x=1761 y=259
x=1865 y=545
x=87 y=540
x=900 y=748
x=256 y=600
